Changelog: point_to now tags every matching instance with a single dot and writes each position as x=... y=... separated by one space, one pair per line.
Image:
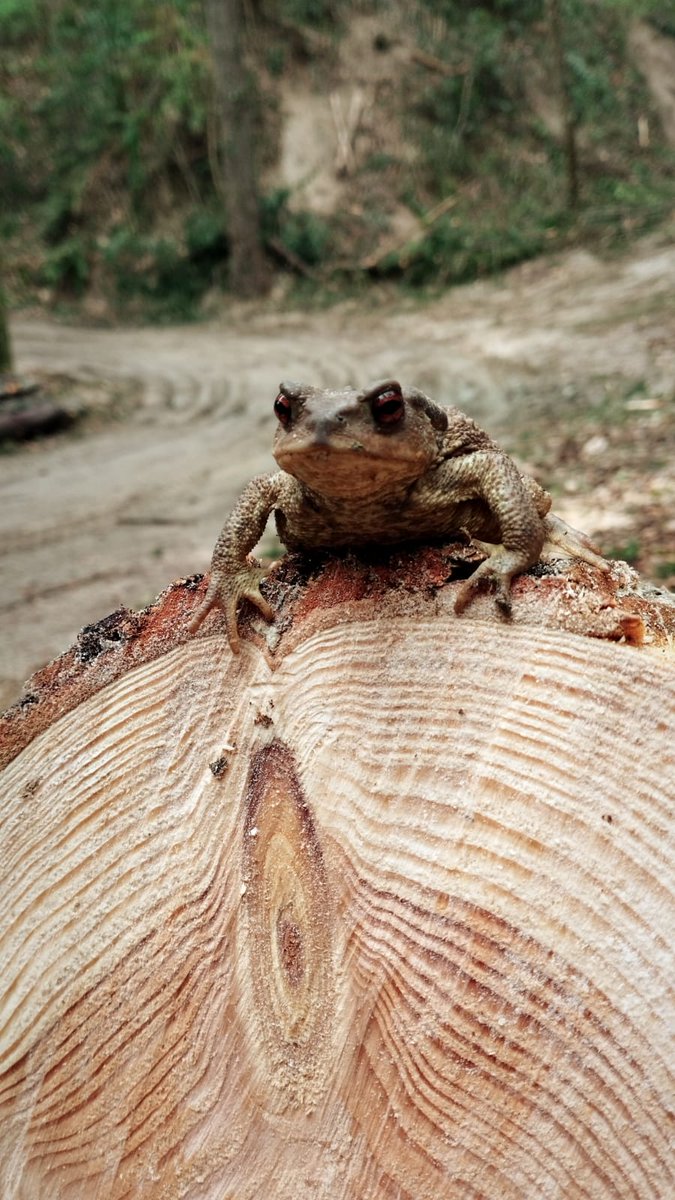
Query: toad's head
x=354 y=443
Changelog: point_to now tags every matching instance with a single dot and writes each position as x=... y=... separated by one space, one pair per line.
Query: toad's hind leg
x=560 y=539
x=563 y=541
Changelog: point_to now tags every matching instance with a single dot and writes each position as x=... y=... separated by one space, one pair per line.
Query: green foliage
x=305 y=235
x=205 y=235
x=481 y=140
x=456 y=252
x=629 y=553
x=509 y=13
x=595 y=57
x=67 y=266
x=276 y=61
x=380 y=161
x=162 y=276
x=117 y=126
x=662 y=17
x=113 y=103
x=116 y=121
x=130 y=82
x=18 y=19
x=455 y=115
x=148 y=270
x=315 y=13
x=456 y=11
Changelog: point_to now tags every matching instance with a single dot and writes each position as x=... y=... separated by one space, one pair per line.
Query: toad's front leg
x=491 y=478
x=235 y=576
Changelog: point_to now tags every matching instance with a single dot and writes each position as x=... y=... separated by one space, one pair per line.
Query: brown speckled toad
x=380 y=466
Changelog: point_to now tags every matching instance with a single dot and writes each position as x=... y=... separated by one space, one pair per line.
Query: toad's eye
x=282 y=409
x=387 y=407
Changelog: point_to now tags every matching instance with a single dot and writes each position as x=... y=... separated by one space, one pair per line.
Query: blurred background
x=202 y=197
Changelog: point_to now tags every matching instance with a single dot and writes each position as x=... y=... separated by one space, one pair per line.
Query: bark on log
x=382 y=908
x=33 y=420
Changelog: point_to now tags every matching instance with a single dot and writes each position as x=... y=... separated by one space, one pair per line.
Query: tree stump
x=381 y=908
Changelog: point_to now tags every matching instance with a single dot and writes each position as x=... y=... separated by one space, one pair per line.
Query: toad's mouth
x=341 y=453
x=349 y=468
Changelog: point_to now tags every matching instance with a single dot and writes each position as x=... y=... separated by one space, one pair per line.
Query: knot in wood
x=287 y=926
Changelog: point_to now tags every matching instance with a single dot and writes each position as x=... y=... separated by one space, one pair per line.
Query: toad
x=385 y=465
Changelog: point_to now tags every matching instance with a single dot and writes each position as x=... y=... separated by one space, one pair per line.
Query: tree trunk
x=381 y=908
x=5 y=344
x=569 y=121
x=237 y=101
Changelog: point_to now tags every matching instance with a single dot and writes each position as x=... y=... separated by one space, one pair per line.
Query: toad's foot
x=496 y=573
x=226 y=589
x=562 y=541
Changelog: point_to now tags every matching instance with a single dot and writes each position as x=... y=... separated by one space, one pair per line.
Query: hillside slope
x=420 y=142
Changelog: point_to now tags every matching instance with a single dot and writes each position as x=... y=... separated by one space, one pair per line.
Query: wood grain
x=388 y=915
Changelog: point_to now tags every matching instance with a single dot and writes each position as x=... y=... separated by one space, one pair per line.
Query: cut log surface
x=380 y=908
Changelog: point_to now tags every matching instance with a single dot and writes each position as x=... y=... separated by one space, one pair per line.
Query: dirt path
x=546 y=358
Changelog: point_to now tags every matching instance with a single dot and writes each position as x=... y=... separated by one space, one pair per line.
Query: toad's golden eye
x=282 y=409
x=387 y=407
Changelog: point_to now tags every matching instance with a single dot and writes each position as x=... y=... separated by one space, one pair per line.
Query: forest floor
x=569 y=361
